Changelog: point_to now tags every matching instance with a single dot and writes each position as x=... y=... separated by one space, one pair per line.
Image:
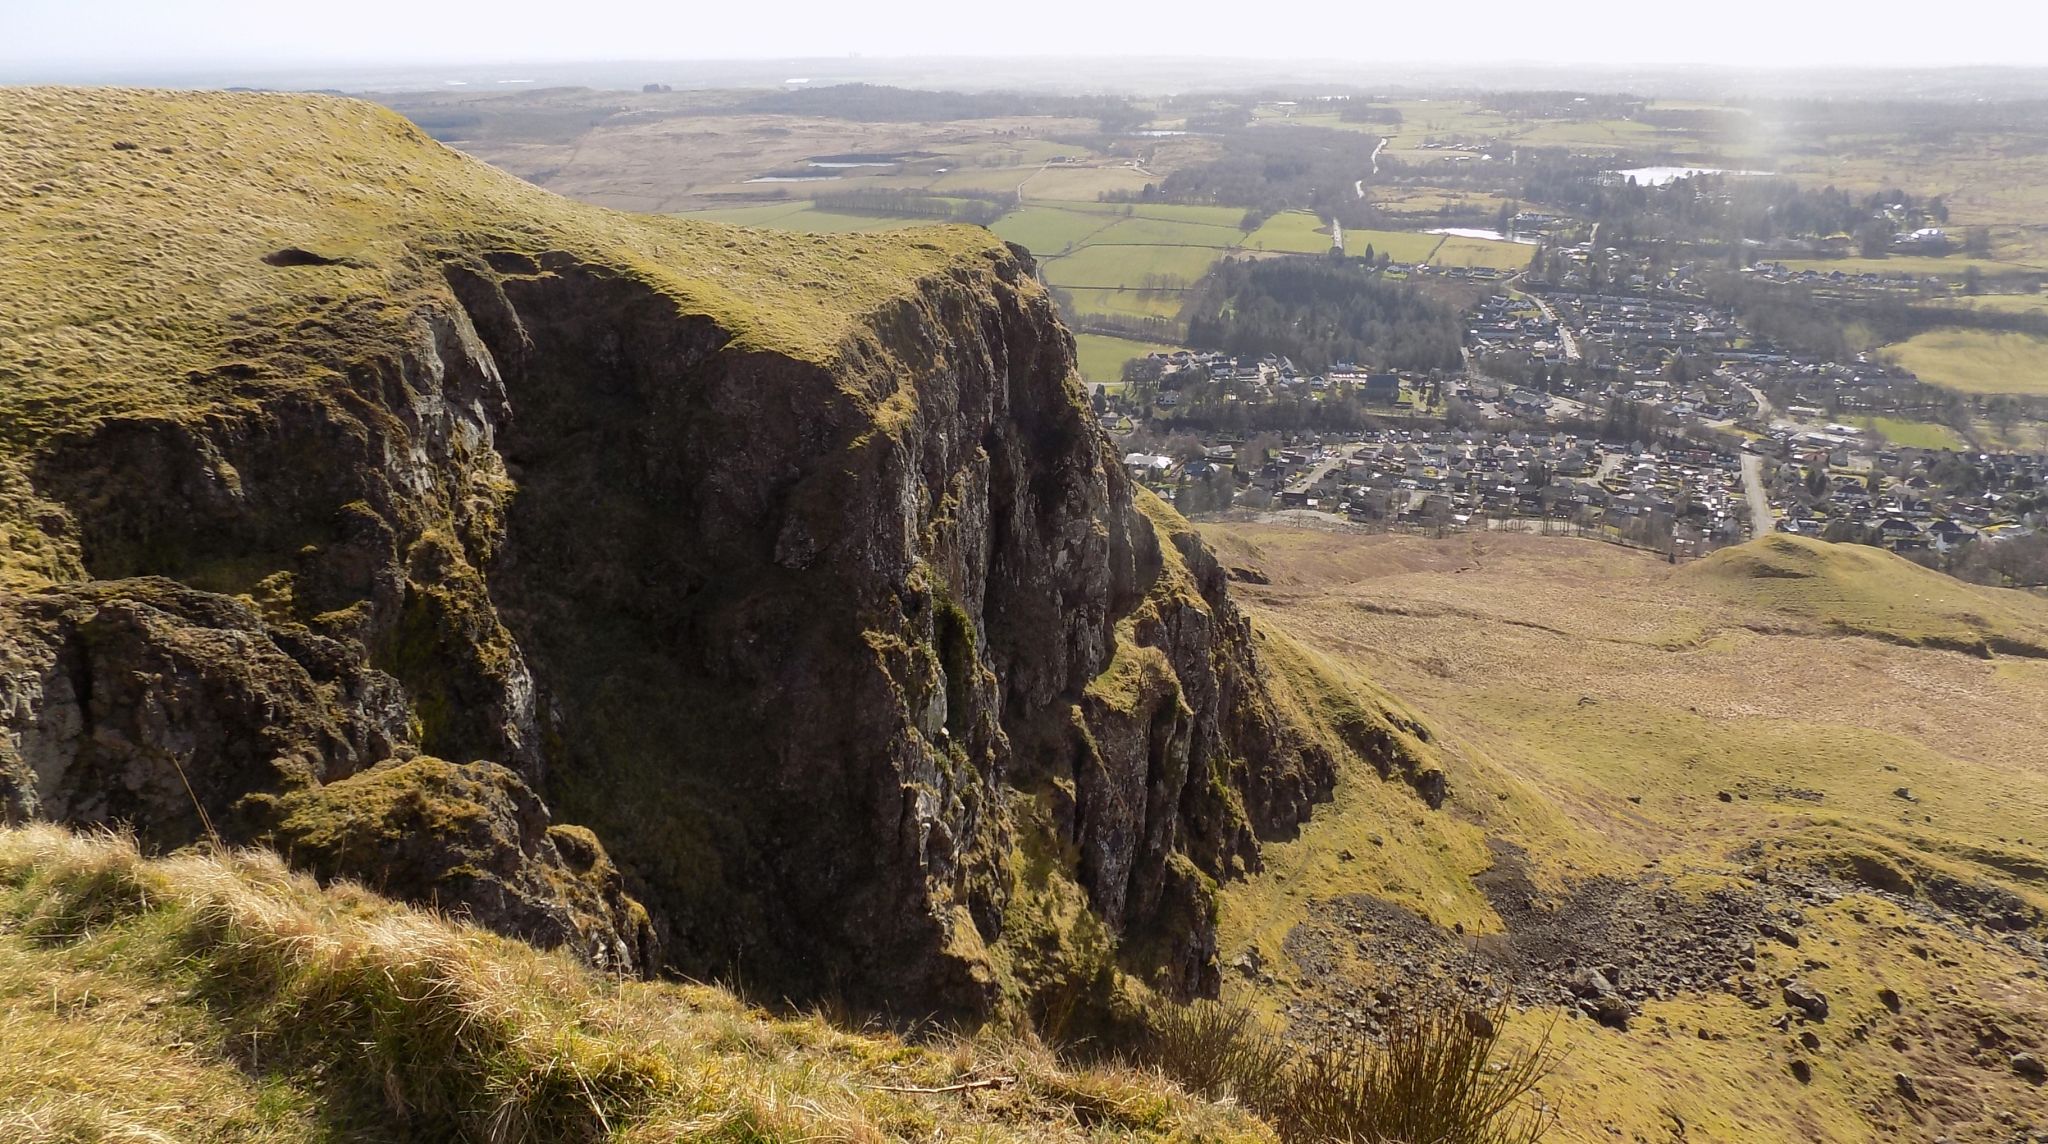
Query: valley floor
x=1685 y=802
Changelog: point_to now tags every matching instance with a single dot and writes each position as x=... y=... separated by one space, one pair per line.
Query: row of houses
x=1907 y=499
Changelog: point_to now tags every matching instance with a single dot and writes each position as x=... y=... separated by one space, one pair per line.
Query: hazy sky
x=1776 y=33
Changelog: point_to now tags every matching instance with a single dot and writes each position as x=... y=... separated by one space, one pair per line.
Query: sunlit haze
x=40 y=35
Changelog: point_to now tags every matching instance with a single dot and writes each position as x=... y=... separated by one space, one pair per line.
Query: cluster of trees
x=1788 y=314
x=1729 y=209
x=1312 y=168
x=1319 y=312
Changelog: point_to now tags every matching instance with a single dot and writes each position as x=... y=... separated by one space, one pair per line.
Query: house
x=1945 y=535
x=1143 y=465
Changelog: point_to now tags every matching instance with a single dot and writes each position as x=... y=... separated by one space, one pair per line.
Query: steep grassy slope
x=1651 y=770
x=223 y=999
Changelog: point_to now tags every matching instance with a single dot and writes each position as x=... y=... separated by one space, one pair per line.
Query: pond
x=1482 y=232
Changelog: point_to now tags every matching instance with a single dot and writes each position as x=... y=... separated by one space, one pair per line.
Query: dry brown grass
x=1437 y=1074
x=222 y=998
x=1590 y=705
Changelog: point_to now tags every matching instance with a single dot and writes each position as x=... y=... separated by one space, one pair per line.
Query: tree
x=1874 y=238
x=1141 y=383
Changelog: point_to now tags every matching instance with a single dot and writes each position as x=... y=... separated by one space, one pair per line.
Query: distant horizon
x=152 y=36
x=1135 y=73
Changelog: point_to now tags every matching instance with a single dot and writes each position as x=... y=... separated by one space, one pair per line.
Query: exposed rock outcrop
x=481 y=839
x=825 y=648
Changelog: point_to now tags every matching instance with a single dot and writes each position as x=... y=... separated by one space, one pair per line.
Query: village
x=1727 y=436
x=1685 y=500
x=1907 y=500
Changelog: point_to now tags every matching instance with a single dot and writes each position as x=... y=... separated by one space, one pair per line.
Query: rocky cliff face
x=841 y=657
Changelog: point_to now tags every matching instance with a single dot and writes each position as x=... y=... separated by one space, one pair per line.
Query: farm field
x=1195 y=214
x=803 y=215
x=1298 y=232
x=1593 y=134
x=1976 y=361
x=1403 y=245
x=1144 y=231
x=1917 y=434
x=2000 y=303
x=1047 y=231
x=1085 y=184
x=1458 y=251
x=1423 y=203
x=1106 y=266
x=1101 y=358
x=1128 y=303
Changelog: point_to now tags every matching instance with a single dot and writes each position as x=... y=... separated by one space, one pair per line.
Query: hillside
x=699 y=600
x=1791 y=761
x=223 y=999
x=1857 y=590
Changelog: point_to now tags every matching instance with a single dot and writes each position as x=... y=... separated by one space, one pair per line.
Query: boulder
x=1810 y=1002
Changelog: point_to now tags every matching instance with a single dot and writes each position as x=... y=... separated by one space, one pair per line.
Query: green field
x=1102 y=358
x=1916 y=434
x=1085 y=184
x=1296 y=231
x=1103 y=254
x=1137 y=231
x=1103 y=266
x=1976 y=361
x=1589 y=134
x=803 y=215
x=1404 y=245
x=1168 y=212
x=1999 y=303
x=1457 y=251
x=1129 y=303
x=1048 y=231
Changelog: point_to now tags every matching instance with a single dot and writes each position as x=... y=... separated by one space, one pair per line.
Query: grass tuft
x=1437 y=1076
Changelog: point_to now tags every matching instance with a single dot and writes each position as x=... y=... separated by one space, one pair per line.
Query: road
x=1763 y=405
x=1761 y=522
x=1359 y=186
x=1564 y=333
x=1308 y=480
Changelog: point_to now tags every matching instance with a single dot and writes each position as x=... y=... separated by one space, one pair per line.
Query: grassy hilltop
x=183 y=254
